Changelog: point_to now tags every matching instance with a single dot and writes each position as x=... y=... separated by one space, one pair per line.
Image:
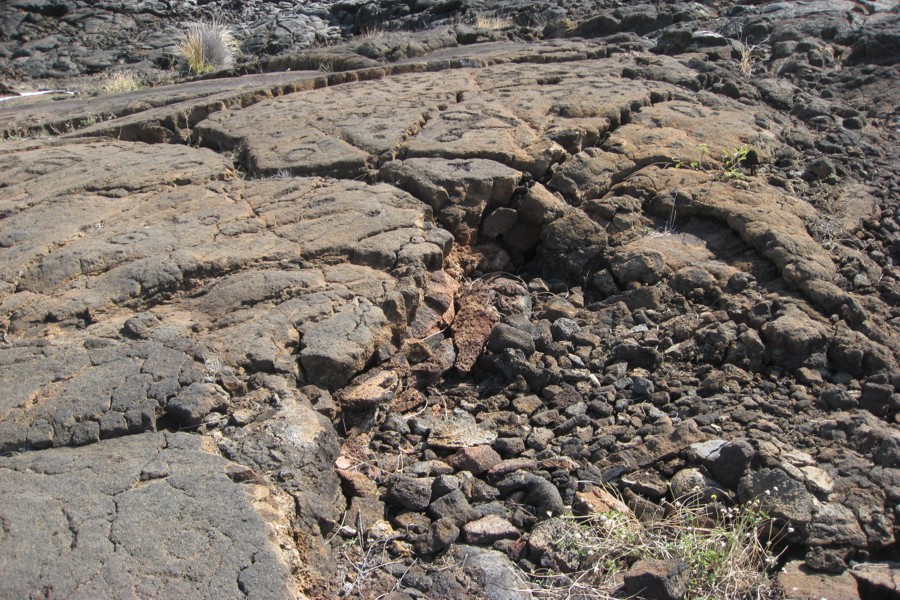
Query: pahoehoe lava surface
x=370 y=331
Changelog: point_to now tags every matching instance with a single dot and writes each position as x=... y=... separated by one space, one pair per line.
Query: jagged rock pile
x=377 y=330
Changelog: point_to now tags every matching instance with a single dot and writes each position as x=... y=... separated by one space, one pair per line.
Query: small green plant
x=729 y=168
x=729 y=550
x=731 y=164
x=88 y=121
x=13 y=136
x=208 y=46
x=702 y=150
x=18 y=134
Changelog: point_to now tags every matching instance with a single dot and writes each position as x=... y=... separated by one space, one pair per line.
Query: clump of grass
x=729 y=550
x=492 y=22
x=751 y=54
x=119 y=83
x=208 y=46
x=372 y=31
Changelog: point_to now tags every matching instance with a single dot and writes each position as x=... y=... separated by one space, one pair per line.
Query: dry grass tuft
x=208 y=46
x=119 y=83
x=371 y=32
x=827 y=230
x=492 y=22
x=751 y=54
x=746 y=59
x=728 y=550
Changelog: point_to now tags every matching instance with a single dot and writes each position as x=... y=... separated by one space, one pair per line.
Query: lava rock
x=476 y=459
x=411 y=493
x=654 y=579
x=453 y=507
x=564 y=328
x=439 y=537
x=796 y=577
x=693 y=483
x=538 y=492
x=444 y=484
x=506 y=336
x=727 y=461
x=838 y=398
x=459 y=431
x=489 y=529
x=779 y=495
x=196 y=401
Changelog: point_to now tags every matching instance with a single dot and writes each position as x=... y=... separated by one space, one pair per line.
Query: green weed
x=728 y=169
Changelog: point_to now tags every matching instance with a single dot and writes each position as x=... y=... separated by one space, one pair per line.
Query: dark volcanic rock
x=347 y=241
x=657 y=579
x=778 y=494
x=727 y=461
x=537 y=492
x=411 y=493
x=454 y=507
x=92 y=510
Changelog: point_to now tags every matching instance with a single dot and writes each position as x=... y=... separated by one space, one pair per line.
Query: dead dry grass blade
x=729 y=550
x=492 y=22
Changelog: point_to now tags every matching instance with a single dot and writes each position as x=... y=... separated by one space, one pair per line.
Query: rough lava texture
x=364 y=320
x=79 y=523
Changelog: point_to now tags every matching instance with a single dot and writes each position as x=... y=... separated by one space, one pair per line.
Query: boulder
x=453 y=507
x=877 y=580
x=779 y=495
x=727 y=461
x=476 y=459
x=410 y=492
x=693 y=483
x=460 y=431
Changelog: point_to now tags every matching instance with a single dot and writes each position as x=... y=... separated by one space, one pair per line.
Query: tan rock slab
x=596 y=500
x=459 y=431
x=800 y=583
x=489 y=529
x=476 y=459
